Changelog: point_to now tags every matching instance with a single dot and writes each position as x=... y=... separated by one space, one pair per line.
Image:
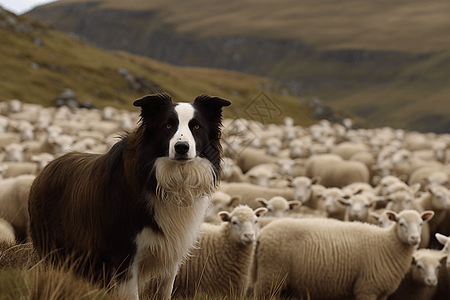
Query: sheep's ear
x=259 y=212
x=427 y=215
x=225 y=216
x=235 y=200
x=294 y=204
x=403 y=177
x=344 y=201
x=316 y=180
x=358 y=192
x=392 y=215
x=442 y=239
x=374 y=215
x=262 y=201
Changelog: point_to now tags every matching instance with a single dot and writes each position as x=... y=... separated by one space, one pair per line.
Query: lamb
x=7 y=234
x=303 y=190
x=277 y=206
x=14 y=203
x=14 y=152
x=336 y=172
x=421 y=281
x=333 y=207
x=347 y=149
x=249 y=192
x=230 y=172
x=220 y=202
x=228 y=248
x=273 y=146
x=250 y=157
x=335 y=259
x=437 y=199
x=359 y=206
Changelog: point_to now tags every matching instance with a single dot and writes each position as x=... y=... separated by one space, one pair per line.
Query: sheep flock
x=328 y=211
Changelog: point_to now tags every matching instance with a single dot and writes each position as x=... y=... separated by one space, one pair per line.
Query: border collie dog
x=131 y=215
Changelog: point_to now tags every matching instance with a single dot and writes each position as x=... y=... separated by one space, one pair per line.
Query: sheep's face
x=243 y=223
x=409 y=224
x=278 y=206
x=262 y=177
x=302 y=188
x=297 y=148
x=331 y=202
x=440 y=198
x=273 y=146
x=402 y=200
x=14 y=152
x=360 y=208
x=425 y=267
x=286 y=166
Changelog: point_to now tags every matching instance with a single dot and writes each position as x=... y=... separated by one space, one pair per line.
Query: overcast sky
x=21 y=6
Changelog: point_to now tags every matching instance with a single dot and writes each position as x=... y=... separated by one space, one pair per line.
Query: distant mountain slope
x=386 y=61
x=39 y=63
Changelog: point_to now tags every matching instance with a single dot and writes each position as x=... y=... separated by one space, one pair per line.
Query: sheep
x=429 y=176
x=263 y=174
x=273 y=146
x=230 y=172
x=250 y=157
x=14 y=152
x=421 y=281
x=359 y=206
x=335 y=259
x=14 y=203
x=7 y=234
x=220 y=202
x=437 y=199
x=333 y=207
x=298 y=149
x=38 y=162
x=303 y=190
x=444 y=241
x=347 y=149
x=249 y=192
x=278 y=206
x=228 y=248
x=335 y=172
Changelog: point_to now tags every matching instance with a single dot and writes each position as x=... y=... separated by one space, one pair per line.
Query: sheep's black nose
x=181 y=147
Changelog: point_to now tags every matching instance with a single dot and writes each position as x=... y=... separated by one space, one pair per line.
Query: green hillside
x=39 y=63
x=386 y=61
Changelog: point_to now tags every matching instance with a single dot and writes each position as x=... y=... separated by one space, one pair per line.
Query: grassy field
x=66 y=62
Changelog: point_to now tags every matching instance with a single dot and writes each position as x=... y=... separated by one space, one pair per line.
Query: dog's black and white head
x=179 y=134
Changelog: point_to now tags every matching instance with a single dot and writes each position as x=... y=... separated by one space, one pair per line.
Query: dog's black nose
x=181 y=147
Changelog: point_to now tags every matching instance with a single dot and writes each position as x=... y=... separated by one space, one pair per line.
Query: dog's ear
x=153 y=101
x=212 y=102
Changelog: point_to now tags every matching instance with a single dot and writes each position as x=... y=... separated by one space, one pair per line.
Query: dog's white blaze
x=185 y=113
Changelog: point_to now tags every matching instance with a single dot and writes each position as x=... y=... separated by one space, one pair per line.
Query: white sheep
x=7 y=233
x=437 y=199
x=273 y=146
x=278 y=206
x=221 y=261
x=325 y=258
x=249 y=192
x=230 y=172
x=347 y=149
x=359 y=206
x=250 y=157
x=14 y=152
x=421 y=281
x=304 y=190
x=333 y=207
x=14 y=203
x=220 y=201
x=336 y=172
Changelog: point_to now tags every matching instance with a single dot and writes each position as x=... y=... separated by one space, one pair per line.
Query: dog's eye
x=196 y=127
x=168 y=126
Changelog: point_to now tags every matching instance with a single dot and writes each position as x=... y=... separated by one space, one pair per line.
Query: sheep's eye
x=234 y=223
x=196 y=127
x=168 y=126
